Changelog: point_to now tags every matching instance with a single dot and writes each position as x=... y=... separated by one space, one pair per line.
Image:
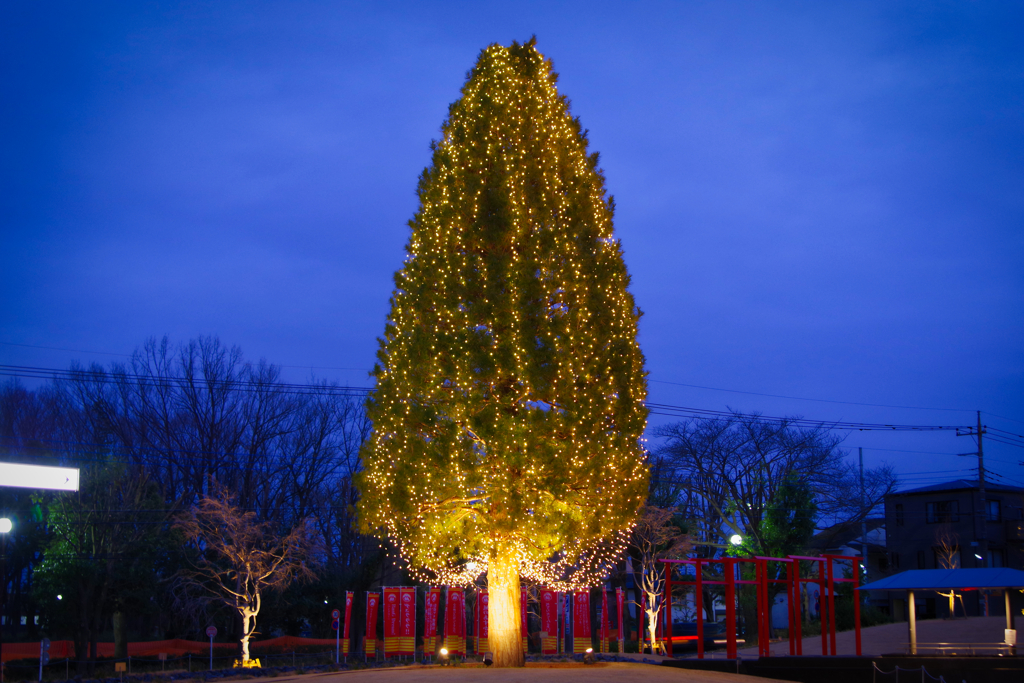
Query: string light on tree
x=509 y=398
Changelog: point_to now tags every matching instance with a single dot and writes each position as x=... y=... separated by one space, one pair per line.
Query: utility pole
x=980 y=516
x=863 y=518
x=983 y=532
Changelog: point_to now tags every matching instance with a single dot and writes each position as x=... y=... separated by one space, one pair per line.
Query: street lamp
x=5 y=528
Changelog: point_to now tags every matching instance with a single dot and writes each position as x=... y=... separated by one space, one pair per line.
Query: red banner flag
x=522 y=612
x=604 y=621
x=619 y=605
x=407 y=622
x=392 y=618
x=346 y=634
x=548 y=621
x=480 y=622
x=433 y=601
x=455 y=622
x=580 y=621
x=370 y=647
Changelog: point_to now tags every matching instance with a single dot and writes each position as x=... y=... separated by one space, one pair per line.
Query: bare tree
x=947 y=553
x=239 y=559
x=182 y=415
x=731 y=472
x=656 y=537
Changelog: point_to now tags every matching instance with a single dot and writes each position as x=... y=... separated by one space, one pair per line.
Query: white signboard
x=38 y=477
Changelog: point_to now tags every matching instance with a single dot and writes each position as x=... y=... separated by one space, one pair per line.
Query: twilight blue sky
x=816 y=200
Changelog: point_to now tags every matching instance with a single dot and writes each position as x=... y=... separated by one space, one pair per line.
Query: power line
x=167 y=381
x=897 y=450
x=1015 y=444
x=1005 y=418
x=680 y=411
x=1003 y=431
x=128 y=355
x=801 y=398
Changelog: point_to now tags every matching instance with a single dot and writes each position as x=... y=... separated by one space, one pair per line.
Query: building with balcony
x=949 y=525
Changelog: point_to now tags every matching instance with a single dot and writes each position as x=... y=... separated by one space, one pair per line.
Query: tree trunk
x=708 y=598
x=749 y=611
x=120 y=635
x=652 y=625
x=247 y=619
x=504 y=612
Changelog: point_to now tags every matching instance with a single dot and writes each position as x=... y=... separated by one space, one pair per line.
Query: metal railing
x=965 y=649
x=875 y=671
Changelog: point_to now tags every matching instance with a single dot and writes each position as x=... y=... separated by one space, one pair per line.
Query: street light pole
x=5 y=528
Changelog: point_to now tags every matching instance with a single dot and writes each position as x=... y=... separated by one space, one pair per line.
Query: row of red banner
x=400 y=620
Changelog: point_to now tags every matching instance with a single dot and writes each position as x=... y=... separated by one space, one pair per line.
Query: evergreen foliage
x=509 y=399
x=788 y=522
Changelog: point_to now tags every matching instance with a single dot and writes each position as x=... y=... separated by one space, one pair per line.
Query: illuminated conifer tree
x=509 y=399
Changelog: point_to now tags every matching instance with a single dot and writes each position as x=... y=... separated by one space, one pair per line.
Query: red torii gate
x=826 y=580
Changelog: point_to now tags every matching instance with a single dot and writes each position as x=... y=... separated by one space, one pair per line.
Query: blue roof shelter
x=998 y=578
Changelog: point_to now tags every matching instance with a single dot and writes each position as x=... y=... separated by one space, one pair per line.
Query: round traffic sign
x=211 y=631
x=335 y=614
x=334 y=625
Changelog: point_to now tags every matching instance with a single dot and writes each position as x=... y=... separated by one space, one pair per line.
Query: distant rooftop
x=843 y=533
x=961 y=485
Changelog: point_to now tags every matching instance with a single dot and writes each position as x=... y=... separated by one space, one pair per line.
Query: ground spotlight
x=488 y=659
x=442 y=657
x=589 y=657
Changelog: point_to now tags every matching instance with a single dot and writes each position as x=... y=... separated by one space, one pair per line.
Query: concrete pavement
x=892 y=638
x=533 y=673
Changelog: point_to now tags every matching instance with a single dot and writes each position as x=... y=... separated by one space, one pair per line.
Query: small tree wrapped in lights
x=656 y=536
x=509 y=399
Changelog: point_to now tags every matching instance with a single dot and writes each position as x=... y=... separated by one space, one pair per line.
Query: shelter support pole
x=799 y=596
x=856 y=603
x=1009 y=619
x=1009 y=613
x=668 y=609
x=822 y=602
x=730 y=607
x=699 y=599
x=791 y=599
x=762 y=632
x=831 y=606
x=912 y=622
x=766 y=610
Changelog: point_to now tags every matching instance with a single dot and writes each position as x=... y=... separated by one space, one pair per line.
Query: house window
x=942 y=512
x=993 y=509
x=996 y=557
x=899 y=514
x=883 y=563
x=921 y=560
x=895 y=560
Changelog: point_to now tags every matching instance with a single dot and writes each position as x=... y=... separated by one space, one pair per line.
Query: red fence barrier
x=61 y=649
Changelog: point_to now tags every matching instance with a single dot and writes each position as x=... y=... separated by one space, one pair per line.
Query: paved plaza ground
x=893 y=638
x=876 y=640
x=533 y=673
